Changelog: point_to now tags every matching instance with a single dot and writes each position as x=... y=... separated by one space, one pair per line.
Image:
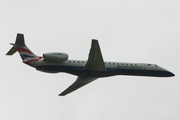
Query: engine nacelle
x=55 y=57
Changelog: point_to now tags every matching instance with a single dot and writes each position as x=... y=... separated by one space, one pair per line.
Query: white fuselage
x=76 y=67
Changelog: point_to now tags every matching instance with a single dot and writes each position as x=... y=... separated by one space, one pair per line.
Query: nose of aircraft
x=170 y=74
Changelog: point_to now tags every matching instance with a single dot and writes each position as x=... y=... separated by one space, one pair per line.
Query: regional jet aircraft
x=87 y=71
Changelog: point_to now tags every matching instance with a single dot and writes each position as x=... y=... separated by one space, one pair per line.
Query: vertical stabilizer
x=20 y=40
x=20 y=46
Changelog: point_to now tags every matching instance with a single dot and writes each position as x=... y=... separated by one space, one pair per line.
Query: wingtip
x=94 y=40
x=61 y=95
x=20 y=34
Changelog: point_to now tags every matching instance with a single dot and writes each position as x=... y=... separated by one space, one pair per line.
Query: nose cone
x=170 y=74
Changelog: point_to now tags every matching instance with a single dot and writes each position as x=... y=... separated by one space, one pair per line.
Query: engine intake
x=55 y=57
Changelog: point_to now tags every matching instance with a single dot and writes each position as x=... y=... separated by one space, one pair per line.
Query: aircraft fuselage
x=76 y=67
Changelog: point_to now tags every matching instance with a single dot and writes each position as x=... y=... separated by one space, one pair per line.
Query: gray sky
x=145 y=31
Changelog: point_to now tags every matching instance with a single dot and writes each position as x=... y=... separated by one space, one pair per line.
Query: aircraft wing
x=95 y=63
x=81 y=81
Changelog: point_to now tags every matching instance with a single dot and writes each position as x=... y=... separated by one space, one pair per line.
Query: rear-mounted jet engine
x=55 y=57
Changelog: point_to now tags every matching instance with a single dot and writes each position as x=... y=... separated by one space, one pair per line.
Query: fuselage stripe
x=32 y=60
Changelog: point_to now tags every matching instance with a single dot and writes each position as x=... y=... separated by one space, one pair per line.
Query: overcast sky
x=144 y=31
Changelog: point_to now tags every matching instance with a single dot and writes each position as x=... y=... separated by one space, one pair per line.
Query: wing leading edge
x=95 y=63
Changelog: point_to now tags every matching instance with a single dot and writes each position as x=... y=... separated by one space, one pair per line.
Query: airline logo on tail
x=27 y=56
x=25 y=53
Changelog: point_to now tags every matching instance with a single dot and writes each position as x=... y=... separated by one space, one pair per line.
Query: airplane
x=87 y=71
